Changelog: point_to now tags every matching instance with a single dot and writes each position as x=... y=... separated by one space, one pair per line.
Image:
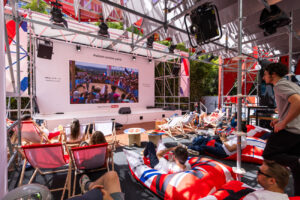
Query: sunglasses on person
x=260 y=172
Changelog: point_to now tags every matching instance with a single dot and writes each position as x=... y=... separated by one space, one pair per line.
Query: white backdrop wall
x=53 y=78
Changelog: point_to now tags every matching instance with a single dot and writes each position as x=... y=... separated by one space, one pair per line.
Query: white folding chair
x=107 y=128
x=173 y=124
x=187 y=121
x=83 y=130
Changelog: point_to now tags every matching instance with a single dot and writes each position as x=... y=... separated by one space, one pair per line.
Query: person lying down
x=220 y=146
x=177 y=163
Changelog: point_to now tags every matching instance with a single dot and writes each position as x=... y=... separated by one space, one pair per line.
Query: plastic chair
x=90 y=158
x=46 y=156
x=30 y=191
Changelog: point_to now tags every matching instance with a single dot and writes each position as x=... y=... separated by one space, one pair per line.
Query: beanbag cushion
x=206 y=177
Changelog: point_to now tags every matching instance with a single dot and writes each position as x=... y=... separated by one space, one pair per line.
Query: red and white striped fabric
x=234 y=190
x=256 y=131
x=185 y=77
x=206 y=177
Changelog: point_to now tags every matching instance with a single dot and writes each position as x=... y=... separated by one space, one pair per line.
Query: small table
x=134 y=135
x=155 y=135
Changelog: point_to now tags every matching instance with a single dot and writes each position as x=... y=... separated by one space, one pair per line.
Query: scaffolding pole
x=3 y=135
x=238 y=168
x=291 y=43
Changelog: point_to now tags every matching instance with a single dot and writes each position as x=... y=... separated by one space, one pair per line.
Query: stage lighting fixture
x=270 y=21
x=150 y=41
x=103 y=30
x=210 y=58
x=150 y=60
x=205 y=24
x=78 y=48
x=172 y=48
x=133 y=58
x=56 y=15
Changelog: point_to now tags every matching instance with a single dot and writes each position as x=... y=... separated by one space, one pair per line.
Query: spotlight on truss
x=270 y=21
x=210 y=58
x=56 y=15
x=150 y=41
x=172 y=48
x=103 y=30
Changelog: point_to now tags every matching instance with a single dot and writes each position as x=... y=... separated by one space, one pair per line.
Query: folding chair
x=31 y=133
x=173 y=124
x=187 y=122
x=214 y=118
x=90 y=158
x=46 y=156
x=107 y=128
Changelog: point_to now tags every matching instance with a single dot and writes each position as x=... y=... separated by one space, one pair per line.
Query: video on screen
x=96 y=83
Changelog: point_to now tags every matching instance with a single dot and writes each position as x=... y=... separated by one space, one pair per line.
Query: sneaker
x=82 y=182
x=193 y=152
x=182 y=145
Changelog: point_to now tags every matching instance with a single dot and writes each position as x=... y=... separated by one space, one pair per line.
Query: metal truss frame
x=167 y=86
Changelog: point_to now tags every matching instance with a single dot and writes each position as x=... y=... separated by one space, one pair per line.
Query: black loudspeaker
x=150 y=107
x=45 y=49
x=175 y=70
x=169 y=108
x=125 y=110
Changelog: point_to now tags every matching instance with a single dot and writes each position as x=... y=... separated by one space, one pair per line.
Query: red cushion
x=53 y=135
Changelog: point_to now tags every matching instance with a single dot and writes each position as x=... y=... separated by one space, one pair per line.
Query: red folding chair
x=46 y=156
x=31 y=132
x=90 y=158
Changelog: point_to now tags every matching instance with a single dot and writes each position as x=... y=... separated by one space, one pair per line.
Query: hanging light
x=133 y=57
x=78 y=48
x=103 y=30
x=172 y=48
x=150 y=41
x=56 y=15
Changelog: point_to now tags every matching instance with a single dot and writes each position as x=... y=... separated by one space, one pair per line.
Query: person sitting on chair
x=75 y=137
x=158 y=162
x=98 y=138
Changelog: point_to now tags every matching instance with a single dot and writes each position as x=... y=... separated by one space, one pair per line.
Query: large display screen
x=97 y=83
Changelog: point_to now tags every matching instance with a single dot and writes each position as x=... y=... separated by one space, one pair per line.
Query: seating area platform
x=132 y=188
x=136 y=116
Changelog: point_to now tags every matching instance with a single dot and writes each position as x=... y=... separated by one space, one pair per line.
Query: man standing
x=283 y=146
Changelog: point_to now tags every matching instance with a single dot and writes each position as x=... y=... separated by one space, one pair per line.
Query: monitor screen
x=98 y=83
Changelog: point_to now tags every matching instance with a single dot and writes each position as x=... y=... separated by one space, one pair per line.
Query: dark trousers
x=284 y=148
x=151 y=152
x=94 y=194
x=217 y=150
x=199 y=144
